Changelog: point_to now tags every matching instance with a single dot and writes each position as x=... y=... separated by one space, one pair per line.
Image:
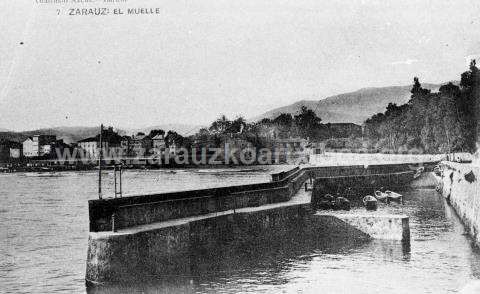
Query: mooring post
x=114 y=229
x=115 y=179
x=100 y=165
x=234 y=203
x=121 y=192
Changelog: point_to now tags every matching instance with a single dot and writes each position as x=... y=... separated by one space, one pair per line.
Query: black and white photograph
x=220 y=146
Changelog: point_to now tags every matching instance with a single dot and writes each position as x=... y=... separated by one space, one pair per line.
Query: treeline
x=439 y=122
x=305 y=124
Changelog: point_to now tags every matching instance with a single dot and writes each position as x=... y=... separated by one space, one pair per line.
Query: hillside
x=68 y=134
x=74 y=134
x=182 y=129
x=353 y=107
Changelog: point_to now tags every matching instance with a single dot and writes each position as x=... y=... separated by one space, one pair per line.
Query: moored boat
x=370 y=202
x=381 y=196
x=394 y=197
x=341 y=203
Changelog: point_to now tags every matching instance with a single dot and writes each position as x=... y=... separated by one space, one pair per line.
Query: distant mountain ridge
x=354 y=107
x=182 y=129
x=68 y=134
x=75 y=134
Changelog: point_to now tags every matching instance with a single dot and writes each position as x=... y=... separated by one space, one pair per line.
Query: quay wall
x=377 y=226
x=120 y=257
x=461 y=187
x=137 y=237
x=145 y=213
x=167 y=250
x=118 y=213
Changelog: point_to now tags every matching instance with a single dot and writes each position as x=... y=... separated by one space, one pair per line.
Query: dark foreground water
x=44 y=241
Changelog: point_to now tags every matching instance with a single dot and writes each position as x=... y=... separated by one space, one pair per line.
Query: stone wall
x=119 y=213
x=158 y=236
x=121 y=257
x=461 y=187
x=138 y=255
x=361 y=184
x=377 y=226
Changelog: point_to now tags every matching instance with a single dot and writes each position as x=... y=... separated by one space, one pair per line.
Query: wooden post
x=115 y=179
x=120 y=171
x=100 y=164
x=114 y=229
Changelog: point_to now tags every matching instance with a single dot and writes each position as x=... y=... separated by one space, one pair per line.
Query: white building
x=38 y=145
x=91 y=146
x=31 y=148
x=159 y=145
x=173 y=148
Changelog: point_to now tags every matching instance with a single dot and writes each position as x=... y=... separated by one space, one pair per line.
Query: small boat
x=326 y=202
x=394 y=197
x=381 y=196
x=341 y=203
x=370 y=202
x=328 y=197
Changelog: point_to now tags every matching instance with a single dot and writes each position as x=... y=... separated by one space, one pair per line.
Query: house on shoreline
x=111 y=143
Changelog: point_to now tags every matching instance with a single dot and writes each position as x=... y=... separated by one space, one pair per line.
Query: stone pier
x=375 y=225
x=460 y=185
x=139 y=236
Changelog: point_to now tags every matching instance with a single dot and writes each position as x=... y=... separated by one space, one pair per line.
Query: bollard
x=114 y=229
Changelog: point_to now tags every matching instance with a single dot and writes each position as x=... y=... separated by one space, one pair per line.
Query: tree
x=154 y=133
x=173 y=137
x=284 y=120
x=307 y=121
x=220 y=125
x=237 y=126
x=266 y=121
x=434 y=122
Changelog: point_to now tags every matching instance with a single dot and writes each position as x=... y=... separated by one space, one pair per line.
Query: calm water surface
x=44 y=242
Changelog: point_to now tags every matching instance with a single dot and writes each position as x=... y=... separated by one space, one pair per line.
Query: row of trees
x=433 y=122
x=305 y=124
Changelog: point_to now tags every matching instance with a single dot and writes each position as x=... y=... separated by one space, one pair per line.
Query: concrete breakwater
x=377 y=226
x=152 y=234
x=461 y=187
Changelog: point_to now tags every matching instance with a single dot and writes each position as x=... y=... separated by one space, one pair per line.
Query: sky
x=197 y=59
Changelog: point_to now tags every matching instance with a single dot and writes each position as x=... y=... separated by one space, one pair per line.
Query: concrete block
x=378 y=226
